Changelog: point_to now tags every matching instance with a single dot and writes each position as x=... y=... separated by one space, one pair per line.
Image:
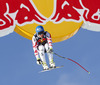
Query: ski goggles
x=40 y=33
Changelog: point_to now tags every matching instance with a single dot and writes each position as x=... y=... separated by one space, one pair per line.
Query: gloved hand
x=50 y=50
x=39 y=62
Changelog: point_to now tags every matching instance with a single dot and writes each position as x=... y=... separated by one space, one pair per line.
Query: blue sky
x=18 y=64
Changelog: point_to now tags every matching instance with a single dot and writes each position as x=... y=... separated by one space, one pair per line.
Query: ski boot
x=52 y=64
x=45 y=66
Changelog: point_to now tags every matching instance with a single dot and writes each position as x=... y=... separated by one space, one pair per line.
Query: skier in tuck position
x=42 y=44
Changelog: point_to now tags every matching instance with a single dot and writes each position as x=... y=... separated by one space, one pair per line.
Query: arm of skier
x=36 y=50
x=35 y=47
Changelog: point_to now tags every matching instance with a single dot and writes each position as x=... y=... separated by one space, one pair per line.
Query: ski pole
x=72 y=61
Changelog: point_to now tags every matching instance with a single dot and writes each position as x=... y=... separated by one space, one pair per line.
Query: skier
x=42 y=44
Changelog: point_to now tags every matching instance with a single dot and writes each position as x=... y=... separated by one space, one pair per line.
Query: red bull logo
x=91 y=10
x=77 y=10
x=65 y=10
x=25 y=12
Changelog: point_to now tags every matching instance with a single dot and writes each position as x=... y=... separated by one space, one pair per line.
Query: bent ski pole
x=72 y=61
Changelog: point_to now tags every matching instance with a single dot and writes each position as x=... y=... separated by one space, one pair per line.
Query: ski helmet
x=39 y=29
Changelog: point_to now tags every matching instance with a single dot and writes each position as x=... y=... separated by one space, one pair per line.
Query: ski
x=51 y=69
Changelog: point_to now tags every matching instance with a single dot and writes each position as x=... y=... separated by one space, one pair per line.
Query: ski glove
x=39 y=62
x=50 y=50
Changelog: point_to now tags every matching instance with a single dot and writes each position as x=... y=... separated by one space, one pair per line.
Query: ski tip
x=88 y=72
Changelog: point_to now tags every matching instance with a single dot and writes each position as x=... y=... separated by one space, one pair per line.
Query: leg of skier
x=50 y=56
x=42 y=56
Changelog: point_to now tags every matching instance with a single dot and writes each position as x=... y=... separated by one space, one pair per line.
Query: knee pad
x=41 y=48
